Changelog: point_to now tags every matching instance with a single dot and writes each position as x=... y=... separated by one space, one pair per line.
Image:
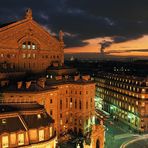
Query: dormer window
x=39 y=116
x=3 y=121
x=29 y=45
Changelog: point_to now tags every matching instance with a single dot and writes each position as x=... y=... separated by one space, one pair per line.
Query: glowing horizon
x=127 y=48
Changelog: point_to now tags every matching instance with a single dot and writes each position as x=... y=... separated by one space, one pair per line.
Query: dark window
x=8 y=55
x=75 y=103
x=70 y=99
x=86 y=105
x=60 y=115
x=60 y=104
x=51 y=112
x=80 y=104
x=91 y=99
x=66 y=103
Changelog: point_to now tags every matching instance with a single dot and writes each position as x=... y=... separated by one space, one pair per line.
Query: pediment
x=13 y=34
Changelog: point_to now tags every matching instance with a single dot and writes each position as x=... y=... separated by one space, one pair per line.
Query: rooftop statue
x=28 y=14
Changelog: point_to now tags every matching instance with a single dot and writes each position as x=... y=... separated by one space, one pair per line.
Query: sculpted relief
x=12 y=36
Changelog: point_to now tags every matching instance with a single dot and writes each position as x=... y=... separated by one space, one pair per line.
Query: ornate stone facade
x=68 y=97
x=29 y=47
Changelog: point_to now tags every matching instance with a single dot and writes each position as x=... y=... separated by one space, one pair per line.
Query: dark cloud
x=117 y=39
x=122 y=20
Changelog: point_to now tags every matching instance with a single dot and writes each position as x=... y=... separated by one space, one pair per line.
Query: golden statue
x=61 y=34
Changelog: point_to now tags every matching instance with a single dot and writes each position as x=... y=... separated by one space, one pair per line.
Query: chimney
x=28 y=84
x=19 y=84
x=58 y=77
x=76 y=78
x=55 y=64
x=86 y=77
x=41 y=82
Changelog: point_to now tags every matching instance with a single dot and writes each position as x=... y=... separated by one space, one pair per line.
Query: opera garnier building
x=32 y=71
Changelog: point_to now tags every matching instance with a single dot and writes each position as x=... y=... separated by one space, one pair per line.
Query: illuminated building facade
x=26 y=125
x=67 y=96
x=70 y=103
x=124 y=97
x=26 y=46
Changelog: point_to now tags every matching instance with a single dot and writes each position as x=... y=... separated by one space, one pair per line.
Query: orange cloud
x=121 y=49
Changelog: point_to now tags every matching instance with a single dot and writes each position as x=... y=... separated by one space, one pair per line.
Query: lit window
x=21 y=139
x=29 y=45
x=61 y=122
x=2 y=55
x=3 y=121
x=133 y=109
x=33 y=55
x=23 y=55
x=28 y=55
x=50 y=131
x=41 y=135
x=39 y=116
x=70 y=104
x=129 y=107
x=33 y=46
x=24 y=46
x=5 y=142
x=13 y=138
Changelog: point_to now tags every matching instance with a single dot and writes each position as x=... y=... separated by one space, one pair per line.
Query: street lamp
x=78 y=146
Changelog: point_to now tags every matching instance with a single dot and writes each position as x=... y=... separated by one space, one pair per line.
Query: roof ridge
x=23 y=122
x=13 y=24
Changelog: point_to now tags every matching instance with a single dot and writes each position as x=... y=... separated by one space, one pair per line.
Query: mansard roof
x=22 y=117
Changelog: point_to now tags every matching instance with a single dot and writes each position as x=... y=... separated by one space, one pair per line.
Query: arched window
x=97 y=143
x=29 y=45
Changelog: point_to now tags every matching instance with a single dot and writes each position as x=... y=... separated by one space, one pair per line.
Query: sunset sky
x=119 y=26
x=137 y=47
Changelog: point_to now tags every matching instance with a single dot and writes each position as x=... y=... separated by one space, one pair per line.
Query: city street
x=116 y=133
x=141 y=141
